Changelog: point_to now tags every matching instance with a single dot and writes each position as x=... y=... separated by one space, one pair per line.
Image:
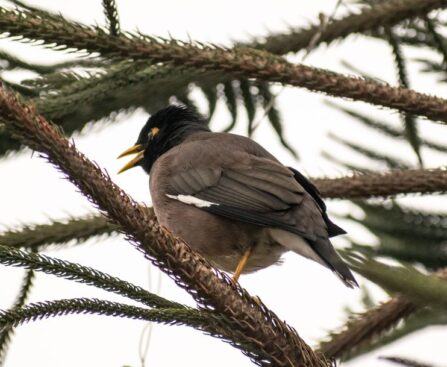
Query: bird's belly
x=221 y=241
x=263 y=255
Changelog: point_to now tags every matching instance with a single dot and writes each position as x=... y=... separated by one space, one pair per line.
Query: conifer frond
x=201 y=320
x=73 y=100
x=251 y=63
x=422 y=289
x=111 y=13
x=6 y=333
x=382 y=14
x=419 y=320
x=389 y=161
x=383 y=127
x=82 y=274
x=57 y=232
x=362 y=328
x=438 y=40
x=410 y=122
x=405 y=362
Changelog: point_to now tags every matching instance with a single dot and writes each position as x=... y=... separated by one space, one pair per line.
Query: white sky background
x=309 y=297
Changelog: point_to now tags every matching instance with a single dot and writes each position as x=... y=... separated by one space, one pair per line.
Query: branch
x=408 y=281
x=238 y=62
x=259 y=327
x=415 y=322
x=371 y=323
x=56 y=232
x=384 y=184
x=365 y=326
x=386 y=13
x=89 y=276
x=36 y=311
x=82 y=274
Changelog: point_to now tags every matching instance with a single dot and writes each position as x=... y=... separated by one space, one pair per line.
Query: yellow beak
x=136 y=149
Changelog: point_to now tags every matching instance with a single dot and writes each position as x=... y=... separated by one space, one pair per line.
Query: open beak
x=136 y=149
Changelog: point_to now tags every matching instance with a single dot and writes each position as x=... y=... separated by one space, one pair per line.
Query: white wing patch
x=191 y=200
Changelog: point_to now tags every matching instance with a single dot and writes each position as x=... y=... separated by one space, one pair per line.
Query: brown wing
x=259 y=191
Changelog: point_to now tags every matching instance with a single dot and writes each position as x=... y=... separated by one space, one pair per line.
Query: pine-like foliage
x=115 y=70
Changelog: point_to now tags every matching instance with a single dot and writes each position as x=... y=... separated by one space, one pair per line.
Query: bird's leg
x=241 y=265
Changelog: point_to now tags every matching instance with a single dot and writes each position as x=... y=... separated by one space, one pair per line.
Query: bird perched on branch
x=230 y=199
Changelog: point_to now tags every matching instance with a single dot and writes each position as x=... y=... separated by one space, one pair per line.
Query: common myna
x=229 y=198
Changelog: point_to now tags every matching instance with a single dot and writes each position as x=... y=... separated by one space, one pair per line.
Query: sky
x=309 y=297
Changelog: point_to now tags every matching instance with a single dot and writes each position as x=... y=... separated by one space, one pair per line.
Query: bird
x=229 y=199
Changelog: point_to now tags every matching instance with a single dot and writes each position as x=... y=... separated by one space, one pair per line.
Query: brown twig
x=249 y=63
x=262 y=330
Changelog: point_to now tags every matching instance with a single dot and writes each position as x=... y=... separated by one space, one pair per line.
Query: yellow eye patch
x=154 y=131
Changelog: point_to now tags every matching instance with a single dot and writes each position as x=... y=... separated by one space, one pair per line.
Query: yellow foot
x=241 y=265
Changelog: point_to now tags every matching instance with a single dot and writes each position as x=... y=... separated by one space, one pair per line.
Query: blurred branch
x=391 y=162
x=14 y=62
x=361 y=328
x=405 y=362
x=383 y=184
x=111 y=13
x=385 y=13
x=238 y=62
x=257 y=325
x=437 y=39
x=169 y=316
x=404 y=233
x=356 y=169
x=122 y=86
x=382 y=127
x=56 y=232
x=420 y=288
x=364 y=327
x=415 y=322
x=409 y=121
x=82 y=274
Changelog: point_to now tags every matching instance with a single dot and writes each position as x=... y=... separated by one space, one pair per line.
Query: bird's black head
x=163 y=131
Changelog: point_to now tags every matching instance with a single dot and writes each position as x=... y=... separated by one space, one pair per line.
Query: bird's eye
x=154 y=131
